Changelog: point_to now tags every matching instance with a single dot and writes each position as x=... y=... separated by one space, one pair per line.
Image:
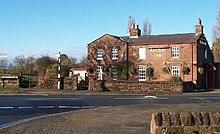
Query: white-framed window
x=141 y=53
x=175 y=71
x=114 y=73
x=114 y=53
x=175 y=52
x=142 y=73
x=99 y=54
x=99 y=73
x=206 y=53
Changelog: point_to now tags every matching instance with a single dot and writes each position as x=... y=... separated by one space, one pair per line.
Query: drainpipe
x=192 y=67
x=127 y=60
x=192 y=62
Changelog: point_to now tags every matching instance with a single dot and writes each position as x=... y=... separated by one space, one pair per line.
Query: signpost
x=59 y=68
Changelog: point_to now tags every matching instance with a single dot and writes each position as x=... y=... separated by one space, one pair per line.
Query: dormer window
x=114 y=53
x=99 y=54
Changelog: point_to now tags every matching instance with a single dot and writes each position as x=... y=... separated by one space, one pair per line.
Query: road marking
x=154 y=97
x=6 y=107
x=124 y=98
x=38 y=99
x=88 y=107
x=142 y=98
x=45 y=107
x=28 y=107
x=201 y=99
x=69 y=107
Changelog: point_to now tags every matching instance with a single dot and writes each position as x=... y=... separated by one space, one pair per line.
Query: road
x=16 y=108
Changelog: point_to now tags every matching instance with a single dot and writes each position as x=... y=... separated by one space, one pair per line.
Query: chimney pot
x=199 y=21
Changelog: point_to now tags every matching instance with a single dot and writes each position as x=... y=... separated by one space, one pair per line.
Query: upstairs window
x=175 y=71
x=99 y=54
x=114 y=53
x=142 y=53
x=175 y=52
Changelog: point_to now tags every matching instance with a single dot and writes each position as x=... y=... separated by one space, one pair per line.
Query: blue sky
x=40 y=27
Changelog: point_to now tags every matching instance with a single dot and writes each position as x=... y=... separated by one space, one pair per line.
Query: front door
x=210 y=79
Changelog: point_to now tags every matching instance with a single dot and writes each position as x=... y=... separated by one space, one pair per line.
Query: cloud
x=3 y=55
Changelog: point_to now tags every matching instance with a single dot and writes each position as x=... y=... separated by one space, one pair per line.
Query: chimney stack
x=199 y=27
x=134 y=31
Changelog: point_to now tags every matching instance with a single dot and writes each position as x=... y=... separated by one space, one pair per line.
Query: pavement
x=133 y=119
x=47 y=92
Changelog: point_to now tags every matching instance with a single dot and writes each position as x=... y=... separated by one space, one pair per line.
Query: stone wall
x=185 y=123
x=9 y=81
x=134 y=86
x=71 y=83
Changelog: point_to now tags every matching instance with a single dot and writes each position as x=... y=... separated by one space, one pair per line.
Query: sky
x=46 y=27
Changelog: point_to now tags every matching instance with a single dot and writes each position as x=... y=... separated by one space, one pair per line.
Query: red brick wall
x=106 y=42
x=158 y=55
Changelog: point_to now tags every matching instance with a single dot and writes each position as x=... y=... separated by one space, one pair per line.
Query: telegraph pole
x=59 y=68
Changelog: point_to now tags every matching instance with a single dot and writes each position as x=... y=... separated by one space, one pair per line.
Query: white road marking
x=154 y=97
x=124 y=98
x=37 y=99
x=88 y=107
x=45 y=107
x=51 y=107
x=69 y=107
x=6 y=107
x=28 y=107
x=142 y=98
x=201 y=99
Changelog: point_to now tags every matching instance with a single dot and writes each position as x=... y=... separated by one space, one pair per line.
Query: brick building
x=186 y=56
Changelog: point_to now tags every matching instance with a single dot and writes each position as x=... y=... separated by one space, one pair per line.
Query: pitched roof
x=165 y=38
x=117 y=37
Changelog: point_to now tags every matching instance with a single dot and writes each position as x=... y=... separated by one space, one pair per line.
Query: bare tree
x=3 y=65
x=43 y=63
x=24 y=64
x=83 y=61
x=20 y=63
x=216 y=37
x=131 y=21
x=147 y=27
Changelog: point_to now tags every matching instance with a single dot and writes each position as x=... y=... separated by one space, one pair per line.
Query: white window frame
x=142 y=73
x=114 y=53
x=175 y=52
x=114 y=73
x=175 y=71
x=99 y=54
x=142 y=53
x=99 y=73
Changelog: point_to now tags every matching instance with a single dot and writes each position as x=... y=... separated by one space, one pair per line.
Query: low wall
x=134 y=86
x=71 y=83
x=185 y=123
x=9 y=81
